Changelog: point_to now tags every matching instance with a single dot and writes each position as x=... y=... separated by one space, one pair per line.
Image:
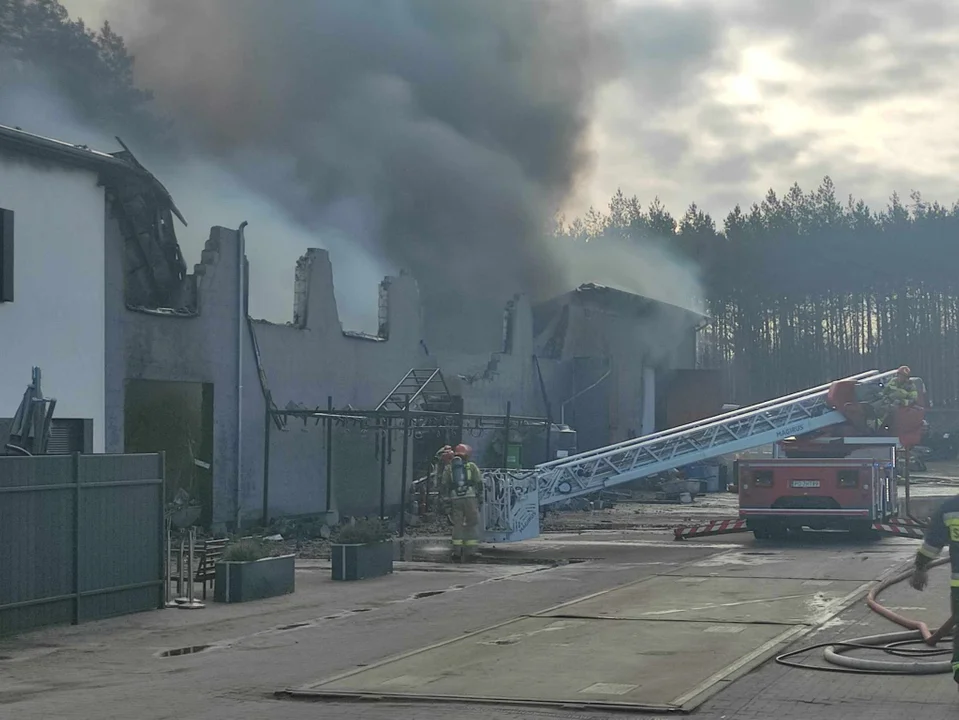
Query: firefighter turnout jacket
x=901 y=392
x=462 y=481
x=943 y=529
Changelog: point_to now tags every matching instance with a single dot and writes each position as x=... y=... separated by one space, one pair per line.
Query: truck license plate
x=805 y=483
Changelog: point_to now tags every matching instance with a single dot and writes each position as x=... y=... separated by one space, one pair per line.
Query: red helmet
x=463 y=450
x=904 y=371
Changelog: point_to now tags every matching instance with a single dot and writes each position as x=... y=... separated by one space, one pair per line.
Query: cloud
x=762 y=94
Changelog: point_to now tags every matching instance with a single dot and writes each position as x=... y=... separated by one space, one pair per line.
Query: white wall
x=56 y=320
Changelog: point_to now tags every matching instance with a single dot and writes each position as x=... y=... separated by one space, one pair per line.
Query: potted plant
x=362 y=550
x=247 y=572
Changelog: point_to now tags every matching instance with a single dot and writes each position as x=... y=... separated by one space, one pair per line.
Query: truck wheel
x=761 y=532
x=778 y=532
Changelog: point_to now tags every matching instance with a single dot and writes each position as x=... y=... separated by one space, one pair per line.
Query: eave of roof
x=81 y=156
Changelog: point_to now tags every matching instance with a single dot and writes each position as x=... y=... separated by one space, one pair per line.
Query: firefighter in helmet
x=463 y=483
x=901 y=391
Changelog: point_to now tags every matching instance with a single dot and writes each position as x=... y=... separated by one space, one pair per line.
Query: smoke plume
x=440 y=135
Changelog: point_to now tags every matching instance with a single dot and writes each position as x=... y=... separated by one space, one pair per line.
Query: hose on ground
x=912 y=660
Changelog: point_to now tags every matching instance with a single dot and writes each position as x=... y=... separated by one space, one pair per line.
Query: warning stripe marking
x=716 y=527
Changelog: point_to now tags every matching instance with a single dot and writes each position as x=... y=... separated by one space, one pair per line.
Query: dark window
x=764 y=478
x=6 y=255
x=848 y=478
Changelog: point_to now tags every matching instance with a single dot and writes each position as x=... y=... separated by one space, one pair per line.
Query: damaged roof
x=143 y=209
x=120 y=163
x=607 y=294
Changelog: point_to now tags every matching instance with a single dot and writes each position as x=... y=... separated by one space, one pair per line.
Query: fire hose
x=912 y=660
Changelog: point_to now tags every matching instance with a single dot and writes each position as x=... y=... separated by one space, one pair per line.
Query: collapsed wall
x=302 y=364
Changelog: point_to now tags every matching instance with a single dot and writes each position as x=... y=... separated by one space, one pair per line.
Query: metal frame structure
x=383 y=423
x=419 y=387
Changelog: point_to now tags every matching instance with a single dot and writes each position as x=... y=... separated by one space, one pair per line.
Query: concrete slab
x=643 y=665
x=720 y=600
x=616 y=649
x=861 y=563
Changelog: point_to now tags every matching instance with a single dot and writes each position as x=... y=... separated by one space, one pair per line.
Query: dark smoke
x=441 y=134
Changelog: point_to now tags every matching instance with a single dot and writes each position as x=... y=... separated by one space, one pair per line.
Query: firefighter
x=899 y=392
x=463 y=483
x=943 y=529
x=441 y=461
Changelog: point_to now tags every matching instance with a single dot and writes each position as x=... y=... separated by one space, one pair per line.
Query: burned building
x=167 y=359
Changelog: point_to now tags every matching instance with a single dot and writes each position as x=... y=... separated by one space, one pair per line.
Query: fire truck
x=839 y=478
x=832 y=467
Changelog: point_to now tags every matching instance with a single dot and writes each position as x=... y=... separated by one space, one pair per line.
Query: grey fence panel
x=36 y=542
x=80 y=538
x=121 y=504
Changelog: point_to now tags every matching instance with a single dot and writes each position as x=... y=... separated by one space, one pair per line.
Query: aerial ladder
x=514 y=499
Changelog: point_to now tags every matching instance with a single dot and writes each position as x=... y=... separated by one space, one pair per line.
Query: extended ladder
x=732 y=432
x=588 y=472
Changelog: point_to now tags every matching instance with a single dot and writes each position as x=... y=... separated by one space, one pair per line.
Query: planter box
x=361 y=562
x=254 y=580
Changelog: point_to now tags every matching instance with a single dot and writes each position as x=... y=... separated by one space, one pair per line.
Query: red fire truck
x=841 y=477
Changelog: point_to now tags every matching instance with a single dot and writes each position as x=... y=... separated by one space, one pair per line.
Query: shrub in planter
x=247 y=572
x=362 y=550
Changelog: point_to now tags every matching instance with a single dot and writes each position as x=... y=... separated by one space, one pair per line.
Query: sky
x=728 y=98
x=720 y=100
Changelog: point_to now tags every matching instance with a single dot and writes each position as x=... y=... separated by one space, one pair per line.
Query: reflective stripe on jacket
x=943 y=530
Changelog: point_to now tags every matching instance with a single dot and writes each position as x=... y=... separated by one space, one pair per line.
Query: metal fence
x=81 y=538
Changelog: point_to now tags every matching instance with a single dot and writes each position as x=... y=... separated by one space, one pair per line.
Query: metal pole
x=167 y=558
x=241 y=313
x=406 y=457
x=165 y=538
x=329 y=453
x=179 y=566
x=266 y=460
x=509 y=407
x=191 y=575
x=383 y=474
x=908 y=479
x=549 y=433
x=192 y=603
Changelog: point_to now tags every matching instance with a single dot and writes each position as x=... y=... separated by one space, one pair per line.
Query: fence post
x=329 y=454
x=76 y=538
x=164 y=536
x=266 y=460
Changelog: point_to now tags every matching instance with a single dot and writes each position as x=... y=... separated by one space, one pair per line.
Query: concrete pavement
x=665 y=642
x=114 y=669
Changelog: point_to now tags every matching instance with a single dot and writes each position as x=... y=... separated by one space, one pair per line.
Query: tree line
x=91 y=69
x=799 y=288
x=803 y=288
